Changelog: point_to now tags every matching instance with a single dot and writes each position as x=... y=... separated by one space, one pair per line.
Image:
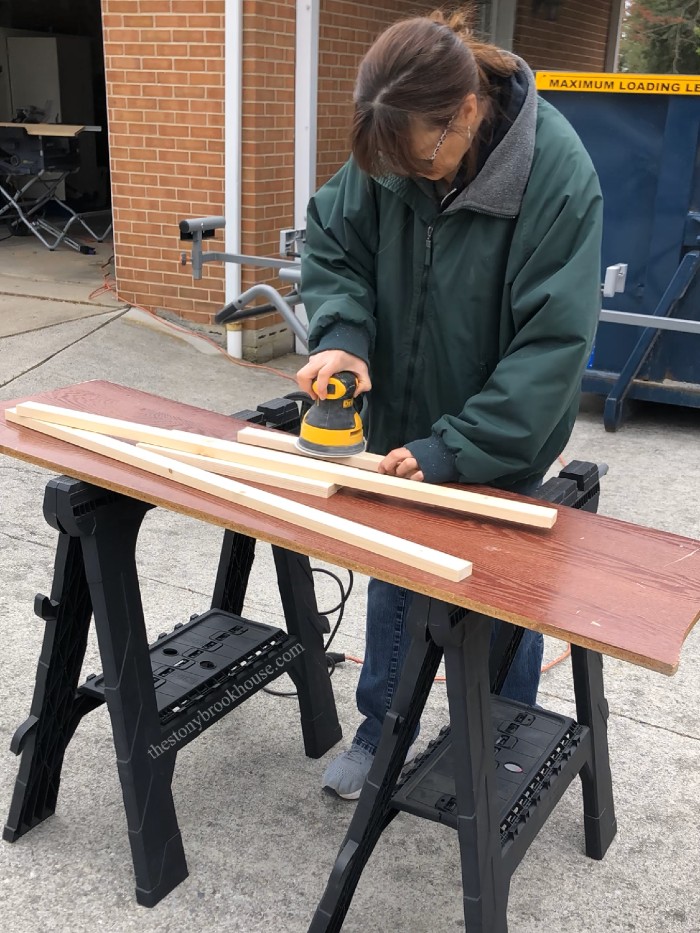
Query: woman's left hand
x=401 y=462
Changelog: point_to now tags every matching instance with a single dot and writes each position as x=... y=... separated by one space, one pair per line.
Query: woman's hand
x=401 y=462
x=322 y=366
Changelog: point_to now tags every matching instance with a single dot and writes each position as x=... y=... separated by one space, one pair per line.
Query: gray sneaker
x=346 y=774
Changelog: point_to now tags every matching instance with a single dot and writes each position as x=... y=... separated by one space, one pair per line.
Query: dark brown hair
x=419 y=69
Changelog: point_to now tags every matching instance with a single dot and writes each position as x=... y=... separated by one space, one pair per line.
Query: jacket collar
x=499 y=187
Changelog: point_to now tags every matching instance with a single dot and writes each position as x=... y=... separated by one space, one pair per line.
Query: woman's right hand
x=327 y=363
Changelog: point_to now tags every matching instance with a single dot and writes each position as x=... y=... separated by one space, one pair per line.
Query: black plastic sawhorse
x=460 y=785
x=152 y=705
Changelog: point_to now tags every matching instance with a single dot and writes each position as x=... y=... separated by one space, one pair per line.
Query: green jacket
x=477 y=321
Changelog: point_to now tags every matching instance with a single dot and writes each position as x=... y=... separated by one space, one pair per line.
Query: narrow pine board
x=114 y=427
x=314 y=487
x=362 y=536
x=425 y=493
x=444 y=497
x=99 y=424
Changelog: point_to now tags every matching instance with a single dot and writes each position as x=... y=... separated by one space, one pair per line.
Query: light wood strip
x=131 y=430
x=276 y=440
x=424 y=493
x=361 y=536
x=473 y=503
x=313 y=487
x=98 y=424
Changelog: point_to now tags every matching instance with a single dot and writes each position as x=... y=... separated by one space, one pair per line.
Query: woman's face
x=441 y=150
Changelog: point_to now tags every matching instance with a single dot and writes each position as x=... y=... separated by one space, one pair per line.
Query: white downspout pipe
x=612 y=51
x=305 y=108
x=233 y=131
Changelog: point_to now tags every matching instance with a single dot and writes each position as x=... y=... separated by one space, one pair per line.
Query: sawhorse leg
x=98 y=532
x=465 y=636
x=109 y=548
x=235 y=562
x=319 y=719
x=374 y=811
x=43 y=738
x=600 y=824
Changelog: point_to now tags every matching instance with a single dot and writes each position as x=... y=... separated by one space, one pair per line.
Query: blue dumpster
x=642 y=133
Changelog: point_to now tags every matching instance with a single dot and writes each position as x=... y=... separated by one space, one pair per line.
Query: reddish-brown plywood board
x=628 y=591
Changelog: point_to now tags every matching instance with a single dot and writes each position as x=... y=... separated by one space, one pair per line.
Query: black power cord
x=332 y=657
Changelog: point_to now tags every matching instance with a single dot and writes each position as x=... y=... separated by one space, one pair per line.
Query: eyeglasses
x=441 y=140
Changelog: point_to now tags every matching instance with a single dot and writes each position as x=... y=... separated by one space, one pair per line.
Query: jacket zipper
x=413 y=356
x=420 y=314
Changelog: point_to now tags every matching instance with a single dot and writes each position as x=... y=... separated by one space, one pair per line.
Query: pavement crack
x=25 y=540
x=75 y=320
x=175 y=586
x=636 y=719
x=30 y=369
x=51 y=298
x=654 y=725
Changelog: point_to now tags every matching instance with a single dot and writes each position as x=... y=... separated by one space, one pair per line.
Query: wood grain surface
x=630 y=592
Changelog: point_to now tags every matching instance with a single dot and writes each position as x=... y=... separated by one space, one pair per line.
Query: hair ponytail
x=489 y=58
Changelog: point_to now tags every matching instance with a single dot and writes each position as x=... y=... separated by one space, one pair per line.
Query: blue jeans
x=387 y=643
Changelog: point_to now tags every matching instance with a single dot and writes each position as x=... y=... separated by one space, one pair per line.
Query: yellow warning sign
x=617 y=83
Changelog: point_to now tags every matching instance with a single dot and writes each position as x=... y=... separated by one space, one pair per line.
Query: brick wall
x=164 y=68
x=577 y=40
x=347 y=29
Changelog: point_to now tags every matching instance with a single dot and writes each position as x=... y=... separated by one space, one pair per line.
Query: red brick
x=138 y=21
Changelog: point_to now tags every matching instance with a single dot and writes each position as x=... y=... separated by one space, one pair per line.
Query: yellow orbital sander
x=332 y=426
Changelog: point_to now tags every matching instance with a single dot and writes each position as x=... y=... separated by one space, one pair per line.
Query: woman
x=453 y=265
